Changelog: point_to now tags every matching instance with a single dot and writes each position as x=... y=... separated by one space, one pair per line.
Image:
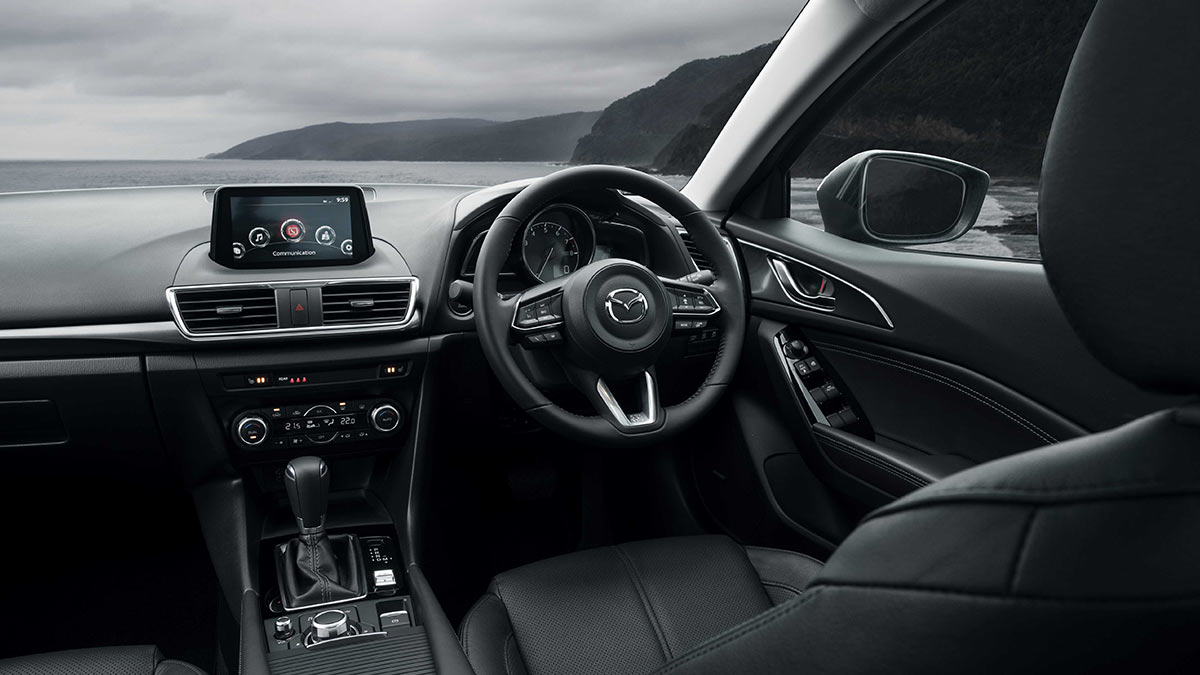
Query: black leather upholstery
x=318 y=568
x=142 y=660
x=627 y=608
x=1117 y=212
x=1080 y=557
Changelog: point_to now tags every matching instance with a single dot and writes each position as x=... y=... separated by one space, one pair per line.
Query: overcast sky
x=159 y=79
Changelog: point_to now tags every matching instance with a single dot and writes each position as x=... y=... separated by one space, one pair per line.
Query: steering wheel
x=609 y=320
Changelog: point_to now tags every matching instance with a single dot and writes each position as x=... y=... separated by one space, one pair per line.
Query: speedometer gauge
x=558 y=241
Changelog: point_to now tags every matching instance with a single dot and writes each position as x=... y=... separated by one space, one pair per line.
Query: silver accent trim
x=333 y=435
x=649 y=401
x=691 y=288
x=383 y=407
x=540 y=326
x=887 y=319
x=325 y=630
x=253 y=418
x=363 y=636
x=792 y=289
x=410 y=314
x=638 y=297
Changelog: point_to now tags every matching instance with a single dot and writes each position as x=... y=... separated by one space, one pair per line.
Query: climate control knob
x=385 y=418
x=251 y=430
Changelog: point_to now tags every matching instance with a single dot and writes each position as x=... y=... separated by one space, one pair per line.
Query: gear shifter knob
x=307 y=481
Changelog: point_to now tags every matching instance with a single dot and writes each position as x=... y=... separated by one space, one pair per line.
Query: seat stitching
x=509 y=638
x=780 y=584
x=1180 y=599
x=762 y=620
x=637 y=584
x=953 y=384
x=1022 y=547
x=784 y=550
x=466 y=624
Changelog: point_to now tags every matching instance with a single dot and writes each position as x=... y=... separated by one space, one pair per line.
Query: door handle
x=805 y=286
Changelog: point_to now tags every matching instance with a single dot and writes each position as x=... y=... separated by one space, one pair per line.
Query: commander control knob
x=331 y=623
x=385 y=418
x=251 y=430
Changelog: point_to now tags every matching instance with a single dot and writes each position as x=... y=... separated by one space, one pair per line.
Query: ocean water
x=1009 y=201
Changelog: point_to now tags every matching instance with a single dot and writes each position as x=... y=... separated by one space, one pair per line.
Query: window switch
x=848 y=417
x=830 y=391
x=818 y=395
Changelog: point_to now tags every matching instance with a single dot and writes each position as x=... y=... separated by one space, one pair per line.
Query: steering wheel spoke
x=629 y=405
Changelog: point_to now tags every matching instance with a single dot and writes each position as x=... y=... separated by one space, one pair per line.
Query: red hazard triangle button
x=298 y=300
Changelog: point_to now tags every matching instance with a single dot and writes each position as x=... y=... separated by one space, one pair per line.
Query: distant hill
x=635 y=129
x=549 y=139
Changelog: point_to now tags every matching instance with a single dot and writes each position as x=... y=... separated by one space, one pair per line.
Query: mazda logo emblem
x=626 y=305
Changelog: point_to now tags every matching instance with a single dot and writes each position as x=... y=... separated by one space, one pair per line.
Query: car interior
x=592 y=423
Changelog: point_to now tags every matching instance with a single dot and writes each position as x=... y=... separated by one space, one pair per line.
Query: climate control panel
x=317 y=423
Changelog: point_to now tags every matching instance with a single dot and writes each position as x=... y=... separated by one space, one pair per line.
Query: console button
x=298 y=299
x=325 y=235
x=259 y=237
x=385 y=418
x=291 y=230
x=251 y=430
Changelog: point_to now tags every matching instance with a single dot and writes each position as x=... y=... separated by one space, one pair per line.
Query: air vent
x=366 y=302
x=697 y=257
x=226 y=309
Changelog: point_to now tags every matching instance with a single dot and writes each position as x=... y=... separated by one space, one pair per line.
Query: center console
x=297 y=418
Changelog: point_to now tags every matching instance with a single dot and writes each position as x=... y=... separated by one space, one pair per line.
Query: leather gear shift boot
x=317 y=569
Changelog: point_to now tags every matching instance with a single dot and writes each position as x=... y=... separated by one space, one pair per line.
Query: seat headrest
x=1119 y=212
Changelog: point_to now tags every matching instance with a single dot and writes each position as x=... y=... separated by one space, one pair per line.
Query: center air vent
x=226 y=309
x=697 y=257
x=366 y=302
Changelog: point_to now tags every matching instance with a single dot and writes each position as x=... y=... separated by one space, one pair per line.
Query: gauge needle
x=545 y=261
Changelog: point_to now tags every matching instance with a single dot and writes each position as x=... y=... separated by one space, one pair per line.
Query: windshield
x=474 y=92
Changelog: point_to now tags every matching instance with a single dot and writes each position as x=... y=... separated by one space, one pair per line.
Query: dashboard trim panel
x=411 y=315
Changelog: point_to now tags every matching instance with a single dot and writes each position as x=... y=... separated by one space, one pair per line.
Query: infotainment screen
x=293 y=226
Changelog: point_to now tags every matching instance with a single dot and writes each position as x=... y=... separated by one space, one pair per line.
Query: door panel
x=936 y=363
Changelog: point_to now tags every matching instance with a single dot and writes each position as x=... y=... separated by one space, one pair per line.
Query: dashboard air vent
x=226 y=309
x=366 y=302
x=697 y=257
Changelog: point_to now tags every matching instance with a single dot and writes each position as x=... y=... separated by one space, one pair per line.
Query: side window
x=979 y=88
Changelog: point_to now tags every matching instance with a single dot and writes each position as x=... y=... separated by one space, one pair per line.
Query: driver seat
x=1078 y=557
x=622 y=609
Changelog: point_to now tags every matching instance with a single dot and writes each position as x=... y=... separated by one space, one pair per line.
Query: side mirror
x=890 y=197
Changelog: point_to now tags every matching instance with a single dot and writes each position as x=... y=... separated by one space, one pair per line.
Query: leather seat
x=141 y=660
x=1078 y=557
x=625 y=608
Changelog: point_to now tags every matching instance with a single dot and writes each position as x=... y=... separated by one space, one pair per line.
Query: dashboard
x=88 y=271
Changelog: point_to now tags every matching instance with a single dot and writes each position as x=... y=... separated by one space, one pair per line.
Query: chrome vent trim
x=224 y=310
x=362 y=302
x=394 y=322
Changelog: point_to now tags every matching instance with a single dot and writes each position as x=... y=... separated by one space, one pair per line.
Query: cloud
x=105 y=78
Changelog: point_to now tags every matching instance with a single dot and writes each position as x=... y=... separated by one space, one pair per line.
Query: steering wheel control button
x=298 y=302
x=325 y=235
x=292 y=230
x=251 y=430
x=259 y=237
x=385 y=418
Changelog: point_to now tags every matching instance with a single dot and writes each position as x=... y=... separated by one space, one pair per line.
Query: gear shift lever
x=316 y=568
x=307 y=482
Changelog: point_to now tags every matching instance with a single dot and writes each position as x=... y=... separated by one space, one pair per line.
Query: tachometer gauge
x=558 y=241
